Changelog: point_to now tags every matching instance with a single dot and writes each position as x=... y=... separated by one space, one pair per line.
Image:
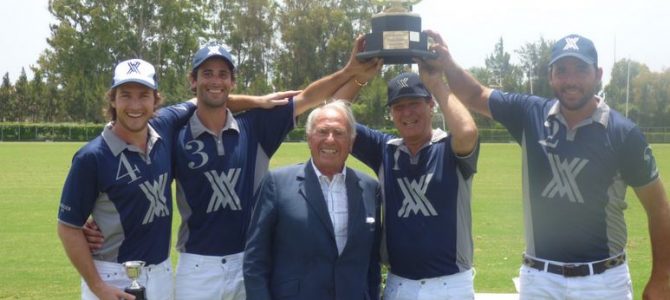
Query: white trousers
x=613 y=284
x=210 y=277
x=156 y=279
x=457 y=286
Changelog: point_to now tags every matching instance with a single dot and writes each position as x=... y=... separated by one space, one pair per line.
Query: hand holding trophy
x=133 y=270
x=396 y=34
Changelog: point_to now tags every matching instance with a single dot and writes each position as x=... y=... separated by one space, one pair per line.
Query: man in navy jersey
x=579 y=155
x=122 y=178
x=426 y=176
x=220 y=161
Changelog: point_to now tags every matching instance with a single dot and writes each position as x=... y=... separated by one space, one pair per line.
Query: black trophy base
x=397 y=38
x=397 y=56
x=139 y=293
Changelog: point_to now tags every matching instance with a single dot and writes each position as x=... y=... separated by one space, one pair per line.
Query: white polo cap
x=135 y=70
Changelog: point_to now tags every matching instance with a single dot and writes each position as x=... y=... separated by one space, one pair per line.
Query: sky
x=639 y=30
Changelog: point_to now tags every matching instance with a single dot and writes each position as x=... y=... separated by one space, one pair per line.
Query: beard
x=574 y=105
x=215 y=102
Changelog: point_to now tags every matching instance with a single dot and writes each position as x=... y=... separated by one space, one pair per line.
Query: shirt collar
x=117 y=145
x=600 y=115
x=320 y=175
x=437 y=135
x=197 y=128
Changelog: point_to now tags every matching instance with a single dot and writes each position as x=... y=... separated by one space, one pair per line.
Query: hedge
x=49 y=131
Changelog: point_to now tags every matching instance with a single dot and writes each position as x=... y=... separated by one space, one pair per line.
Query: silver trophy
x=396 y=34
x=133 y=271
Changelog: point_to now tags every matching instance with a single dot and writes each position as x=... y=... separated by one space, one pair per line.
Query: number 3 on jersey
x=198 y=146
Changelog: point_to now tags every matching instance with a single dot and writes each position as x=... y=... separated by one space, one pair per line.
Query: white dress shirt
x=335 y=193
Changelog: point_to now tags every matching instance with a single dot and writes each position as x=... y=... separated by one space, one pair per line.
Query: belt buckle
x=616 y=261
x=571 y=270
x=529 y=261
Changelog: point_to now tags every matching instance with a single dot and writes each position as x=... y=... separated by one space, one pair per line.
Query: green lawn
x=34 y=266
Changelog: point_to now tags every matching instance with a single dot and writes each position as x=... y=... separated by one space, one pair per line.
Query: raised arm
x=238 y=103
x=655 y=202
x=459 y=121
x=466 y=88
x=326 y=87
x=364 y=72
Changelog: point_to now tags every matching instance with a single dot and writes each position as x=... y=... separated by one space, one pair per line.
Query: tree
x=504 y=74
x=316 y=38
x=36 y=97
x=6 y=95
x=91 y=36
x=648 y=95
x=247 y=28
x=615 y=90
x=21 y=97
x=640 y=93
x=174 y=40
x=535 y=59
x=53 y=108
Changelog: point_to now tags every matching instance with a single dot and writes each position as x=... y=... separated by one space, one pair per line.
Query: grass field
x=34 y=266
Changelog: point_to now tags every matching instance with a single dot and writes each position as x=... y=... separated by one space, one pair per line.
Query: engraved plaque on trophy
x=396 y=34
x=133 y=270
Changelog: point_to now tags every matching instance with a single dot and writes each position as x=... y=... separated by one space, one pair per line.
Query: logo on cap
x=134 y=67
x=214 y=50
x=406 y=85
x=209 y=51
x=571 y=43
x=402 y=83
x=574 y=46
x=135 y=70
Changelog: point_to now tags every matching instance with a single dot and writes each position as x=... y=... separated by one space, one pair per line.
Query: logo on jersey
x=415 y=201
x=125 y=169
x=223 y=190
x=154 y=191
x=564 y=182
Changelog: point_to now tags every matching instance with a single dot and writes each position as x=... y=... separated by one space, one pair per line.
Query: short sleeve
x=80 y=191
x=468 y=164
x=173 y=117
x=637 y=162
x=272 y=126
x=369 y=145
x=510 y=110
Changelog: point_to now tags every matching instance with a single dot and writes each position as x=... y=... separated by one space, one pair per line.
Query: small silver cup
x=133 y=271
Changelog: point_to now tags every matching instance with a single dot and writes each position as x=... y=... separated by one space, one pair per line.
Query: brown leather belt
x=575 y=270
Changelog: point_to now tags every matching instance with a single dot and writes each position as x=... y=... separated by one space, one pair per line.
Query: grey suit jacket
x=291 y=251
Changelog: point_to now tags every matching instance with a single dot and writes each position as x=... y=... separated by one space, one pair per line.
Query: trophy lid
x=397 y=6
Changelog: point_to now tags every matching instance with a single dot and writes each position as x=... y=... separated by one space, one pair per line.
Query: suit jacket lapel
x=356 y=206
x=311 y=191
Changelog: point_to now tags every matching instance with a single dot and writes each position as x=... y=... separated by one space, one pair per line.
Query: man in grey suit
x=314 y=232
